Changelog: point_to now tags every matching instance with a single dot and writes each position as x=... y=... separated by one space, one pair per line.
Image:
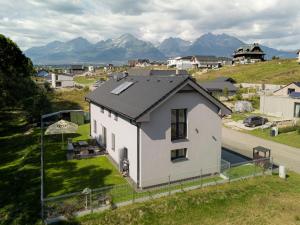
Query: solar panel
x=295 y=95
x=121 y=87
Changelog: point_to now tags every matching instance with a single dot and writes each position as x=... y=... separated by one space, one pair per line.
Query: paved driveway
x=244 y=143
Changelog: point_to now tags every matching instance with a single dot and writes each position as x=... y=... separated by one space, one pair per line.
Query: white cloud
x=34 y=22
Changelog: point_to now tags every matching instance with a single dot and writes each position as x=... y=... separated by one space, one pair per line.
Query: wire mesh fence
x=90 y=200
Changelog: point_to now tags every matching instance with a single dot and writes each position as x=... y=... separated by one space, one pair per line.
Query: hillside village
x=129 y=131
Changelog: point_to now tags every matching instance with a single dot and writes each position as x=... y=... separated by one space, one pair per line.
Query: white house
x=60 y=80
x=166 y=127
x=181 y=63
x=283 y=103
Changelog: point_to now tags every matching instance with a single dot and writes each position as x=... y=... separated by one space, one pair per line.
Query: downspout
x=138 y=155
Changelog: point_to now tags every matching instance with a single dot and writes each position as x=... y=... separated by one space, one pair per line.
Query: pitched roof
x=228 y=79
x=218 y=86
x=249 y=49
x=206 y=58
x=296 y=83
x=153 y=72
x=142 y=95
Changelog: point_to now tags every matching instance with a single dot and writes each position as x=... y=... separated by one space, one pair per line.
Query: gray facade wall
x=203 y=141
x=279 y=106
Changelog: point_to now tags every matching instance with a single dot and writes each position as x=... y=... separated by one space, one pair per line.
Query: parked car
x=253 y=121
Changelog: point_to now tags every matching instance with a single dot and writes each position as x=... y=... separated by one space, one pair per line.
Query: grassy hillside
x=274 y=72
x=263 y=200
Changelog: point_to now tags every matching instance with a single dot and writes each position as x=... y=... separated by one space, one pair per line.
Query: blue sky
x=36 y=22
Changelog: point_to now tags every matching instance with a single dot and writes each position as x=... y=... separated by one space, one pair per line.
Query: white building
x=60 y=80
x=165 y=127
x=181 y=63
x=91 y=69
x=283 y=103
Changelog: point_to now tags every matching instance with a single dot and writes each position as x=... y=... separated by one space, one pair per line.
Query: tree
x=18 y=90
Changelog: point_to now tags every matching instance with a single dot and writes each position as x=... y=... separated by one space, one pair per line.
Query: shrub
x=289 y=129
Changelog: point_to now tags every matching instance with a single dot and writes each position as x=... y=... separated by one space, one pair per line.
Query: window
x=116 y=116
x=109 y=113
x=178 y=124
x=297 y=110
x=178 y=154
x=95 y=127
x=291 y=90
x=102 y=109
x=113 y=139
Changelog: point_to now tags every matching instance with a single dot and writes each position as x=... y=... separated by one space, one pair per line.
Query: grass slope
x=263 y=200
x=274 y=72
x=19 y=171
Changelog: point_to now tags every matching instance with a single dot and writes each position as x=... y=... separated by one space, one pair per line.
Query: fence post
x=169 y=185
x=133 y=195
x=201 y=177
x=91 y=201
x=254 y=168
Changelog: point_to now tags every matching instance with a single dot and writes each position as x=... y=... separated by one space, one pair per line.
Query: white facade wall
x=203 y=141
x=279 y=106
x=184 y=64
x=284 y=90
x=125 y=136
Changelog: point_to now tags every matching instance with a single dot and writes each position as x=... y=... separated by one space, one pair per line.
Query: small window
x=109 y=113
x=116 y=116
x=178 y=154
x=113 y=139
x=102 y=109
x=95 y=127
x=291 y=90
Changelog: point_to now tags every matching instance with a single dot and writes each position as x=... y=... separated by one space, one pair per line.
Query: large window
x=95 y=126
x=178 y=124
x=297 y=110
x=113 y=141
x=178 y=154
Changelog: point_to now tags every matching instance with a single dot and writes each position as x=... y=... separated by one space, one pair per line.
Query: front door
x=104 y=136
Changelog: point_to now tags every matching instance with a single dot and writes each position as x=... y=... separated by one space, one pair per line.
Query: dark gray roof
x=137 y=98
x=224 y=79
x=297 y=83
x=142 y=95
x=153 y=72
x=206 y=58
x=249 y=49
x=218 y=86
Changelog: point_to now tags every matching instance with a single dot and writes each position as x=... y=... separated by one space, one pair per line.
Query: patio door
x=104 y=136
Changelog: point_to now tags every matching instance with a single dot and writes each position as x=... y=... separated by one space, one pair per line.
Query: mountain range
x=126 y=47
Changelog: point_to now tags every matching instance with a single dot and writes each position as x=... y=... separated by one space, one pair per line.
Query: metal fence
x=99 y=199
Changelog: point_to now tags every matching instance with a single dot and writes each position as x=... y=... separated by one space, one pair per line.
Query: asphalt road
x=244 y=143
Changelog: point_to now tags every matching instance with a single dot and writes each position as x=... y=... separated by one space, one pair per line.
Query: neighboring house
x=203 y=62
x=139 y=63
x=181 y=63
x=161 y=126
x=60 y=80
x=91 y=69
x=298 y=53
x=248 y=54
x=284 y=103
x=77 y=69
x=218 y=86
x=153 y=72
x=42 y=73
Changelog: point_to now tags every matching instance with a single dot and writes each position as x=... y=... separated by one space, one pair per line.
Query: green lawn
x=272 y=72
x=85 y=80
x=290 y=138
x=62 y=176
x=263 y=200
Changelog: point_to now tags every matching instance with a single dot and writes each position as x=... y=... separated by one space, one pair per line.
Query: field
x=262 y=200
x=271 y=72
x=69 y=99
x=85 y=80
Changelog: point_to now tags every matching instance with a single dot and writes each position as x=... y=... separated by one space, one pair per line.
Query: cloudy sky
x=275 y=23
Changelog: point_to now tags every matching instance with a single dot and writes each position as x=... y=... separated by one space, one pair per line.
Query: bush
x=289 y=129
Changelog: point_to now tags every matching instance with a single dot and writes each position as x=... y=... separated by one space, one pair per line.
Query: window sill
x=180 y=140
x=179 y=160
